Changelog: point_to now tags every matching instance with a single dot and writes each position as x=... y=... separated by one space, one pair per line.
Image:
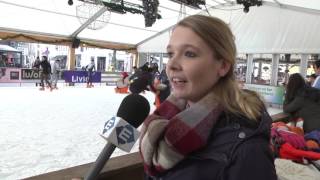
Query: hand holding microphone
x=121 y=131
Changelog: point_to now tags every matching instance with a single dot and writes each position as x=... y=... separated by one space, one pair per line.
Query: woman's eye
x=170 y=54
x=190 y=54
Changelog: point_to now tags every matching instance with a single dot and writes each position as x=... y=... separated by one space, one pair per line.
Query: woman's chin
x=179 y=94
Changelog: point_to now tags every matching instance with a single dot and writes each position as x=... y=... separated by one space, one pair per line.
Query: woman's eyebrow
x=185 y=46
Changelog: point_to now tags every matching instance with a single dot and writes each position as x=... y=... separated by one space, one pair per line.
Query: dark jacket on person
x=306 y=105
x=238 y=149
x=36 y=64
x=45 y=66
x=164 y=80
x=140 y=81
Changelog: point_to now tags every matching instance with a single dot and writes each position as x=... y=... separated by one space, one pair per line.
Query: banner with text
x=34 y=74
x=80 y=76
x=30 y=74
x=10 y=75
x=271 y=94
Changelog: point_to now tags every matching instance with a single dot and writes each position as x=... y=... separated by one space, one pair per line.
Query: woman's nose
x=174 y=64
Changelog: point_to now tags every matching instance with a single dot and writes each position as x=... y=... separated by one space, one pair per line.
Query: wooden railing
x=118 y=168
x=284 y=117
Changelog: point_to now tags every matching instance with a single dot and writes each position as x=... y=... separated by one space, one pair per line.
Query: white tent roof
x=55 y=18
x=277 y=30
x=271 y=28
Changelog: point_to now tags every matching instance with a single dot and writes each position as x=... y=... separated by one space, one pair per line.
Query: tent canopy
x=271 y=28
x=60 y=21
x=54 y=21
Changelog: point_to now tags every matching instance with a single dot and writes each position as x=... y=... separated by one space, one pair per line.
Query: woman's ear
x=224 y=68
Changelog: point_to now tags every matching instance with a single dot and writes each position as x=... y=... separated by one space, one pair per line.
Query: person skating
x=90 y=68
x=45 y=73
x=55 y=73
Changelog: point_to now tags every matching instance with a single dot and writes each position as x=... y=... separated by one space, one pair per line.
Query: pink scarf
x=174 y=131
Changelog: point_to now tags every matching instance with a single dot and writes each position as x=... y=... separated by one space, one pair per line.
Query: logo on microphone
x=120 y=133
x=125 y=134
x=109 y=124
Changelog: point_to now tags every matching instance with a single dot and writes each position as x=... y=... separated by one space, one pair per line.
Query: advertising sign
x=80 y=76
x=28 y=74
x=271 y=94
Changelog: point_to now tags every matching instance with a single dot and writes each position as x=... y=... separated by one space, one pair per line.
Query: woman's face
x=192 y=68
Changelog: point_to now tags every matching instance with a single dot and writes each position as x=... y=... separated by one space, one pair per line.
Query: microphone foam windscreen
x=134 y=108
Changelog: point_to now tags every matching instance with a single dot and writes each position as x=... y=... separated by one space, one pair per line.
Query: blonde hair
x=220 y=39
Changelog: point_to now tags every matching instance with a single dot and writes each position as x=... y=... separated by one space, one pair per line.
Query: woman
x=303 y=102
x=207 y=128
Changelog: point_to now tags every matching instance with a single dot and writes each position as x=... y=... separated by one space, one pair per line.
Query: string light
x=150 y=11
x=191 y=3
x=247 y=3
x=70 y=2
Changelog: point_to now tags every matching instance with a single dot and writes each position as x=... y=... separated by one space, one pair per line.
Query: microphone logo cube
x=125 y=134
x=120 y=133
x=109 y=124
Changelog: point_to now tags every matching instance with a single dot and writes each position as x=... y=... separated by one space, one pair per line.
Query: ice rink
x=43 y=131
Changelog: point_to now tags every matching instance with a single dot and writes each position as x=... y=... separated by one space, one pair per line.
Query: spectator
x=141 y=80
x=316 y=67
x=164 y=87
x=134 y=69
x=311 y=79
x=286 y=77
x=303 y=102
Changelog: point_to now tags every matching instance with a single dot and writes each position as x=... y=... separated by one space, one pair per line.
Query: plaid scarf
x=174 y=130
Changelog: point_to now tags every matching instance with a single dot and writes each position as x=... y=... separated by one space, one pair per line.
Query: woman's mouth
x=178 y=83
x=178 y=80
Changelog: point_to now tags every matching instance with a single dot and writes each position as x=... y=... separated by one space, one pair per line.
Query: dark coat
x=140 y=81
x=46 y=67
x=164 y=80
x=238 y=150
x=306 y=105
